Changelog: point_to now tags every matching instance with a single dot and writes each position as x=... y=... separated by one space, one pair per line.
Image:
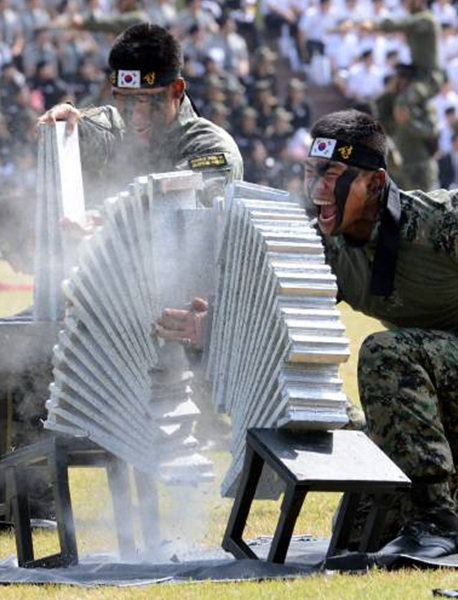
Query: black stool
x=338 y=461
x=57 y=454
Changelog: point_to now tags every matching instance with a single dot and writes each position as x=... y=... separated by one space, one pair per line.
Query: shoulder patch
x=209 y=161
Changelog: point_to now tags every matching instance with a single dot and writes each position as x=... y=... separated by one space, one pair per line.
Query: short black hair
x=354 y=127
x=146 y=46
x=405 y=70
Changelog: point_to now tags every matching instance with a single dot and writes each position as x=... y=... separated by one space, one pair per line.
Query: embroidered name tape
x=129 y=79
x=208 y=161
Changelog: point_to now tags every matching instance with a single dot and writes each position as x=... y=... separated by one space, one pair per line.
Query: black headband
x=141 y=79
x=348 y=153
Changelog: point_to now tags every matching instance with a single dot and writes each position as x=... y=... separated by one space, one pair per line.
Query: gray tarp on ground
x=122 y=574
x=306 y=557
x=212 y=564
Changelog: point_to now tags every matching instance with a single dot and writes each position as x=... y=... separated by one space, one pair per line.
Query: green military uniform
x=408 y=375
x=416 y=140
x=411 y=161
x=190 y=142
x=384 y=111
x=114 y=23
x=422 y=34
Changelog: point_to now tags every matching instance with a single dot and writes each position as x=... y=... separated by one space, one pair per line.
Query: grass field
x=95 y=532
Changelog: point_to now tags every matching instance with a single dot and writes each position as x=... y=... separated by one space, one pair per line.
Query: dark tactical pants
x=408 y=382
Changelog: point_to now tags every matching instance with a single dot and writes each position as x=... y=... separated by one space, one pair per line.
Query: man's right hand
x=187 y=326
x=61 y=112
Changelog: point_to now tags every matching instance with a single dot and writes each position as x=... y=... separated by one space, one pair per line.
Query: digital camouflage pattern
x=408 y=375
x=408 y=383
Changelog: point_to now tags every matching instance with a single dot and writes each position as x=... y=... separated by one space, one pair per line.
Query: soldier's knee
x=376 y=346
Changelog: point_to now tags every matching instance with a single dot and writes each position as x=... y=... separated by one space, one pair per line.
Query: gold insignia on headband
x=150 y=78
x=113 y=78
x=345 y=151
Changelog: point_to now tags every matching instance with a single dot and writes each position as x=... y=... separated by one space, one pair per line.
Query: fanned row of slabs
x=114 y=380
x=59 y=195
x=277 y=340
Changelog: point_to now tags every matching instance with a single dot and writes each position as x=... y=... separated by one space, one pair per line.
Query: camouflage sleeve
x=100 y=129
x=443 y=231
x=407 y=24
x=112 y=23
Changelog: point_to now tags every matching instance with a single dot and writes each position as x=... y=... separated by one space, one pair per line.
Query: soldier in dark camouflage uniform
x=153 y=126
x=395 y=255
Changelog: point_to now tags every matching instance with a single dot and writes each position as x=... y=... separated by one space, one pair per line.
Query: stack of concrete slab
x=114 y=380
x=277 y=340
x=59 y=196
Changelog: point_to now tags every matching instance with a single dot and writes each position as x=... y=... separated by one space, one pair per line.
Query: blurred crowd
x=250 y=65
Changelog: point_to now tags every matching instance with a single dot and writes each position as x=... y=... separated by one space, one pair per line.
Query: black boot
x=423 y=539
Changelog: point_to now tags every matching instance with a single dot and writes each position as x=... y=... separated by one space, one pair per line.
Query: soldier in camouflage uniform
x=152 y=126
x=422 y=33
x=412 y=123
x=416 y=130
x=395 y=256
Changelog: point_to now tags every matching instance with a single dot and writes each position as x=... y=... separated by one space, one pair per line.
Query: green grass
x=95 y=531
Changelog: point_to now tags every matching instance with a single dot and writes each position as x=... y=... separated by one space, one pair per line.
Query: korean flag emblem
x=323 y=147
x=128 y=79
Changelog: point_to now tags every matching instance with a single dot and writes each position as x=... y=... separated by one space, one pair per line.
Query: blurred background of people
x=262 y=69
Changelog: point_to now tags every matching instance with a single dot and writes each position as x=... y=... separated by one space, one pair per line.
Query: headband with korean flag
x=353 y=154
x=136 y=79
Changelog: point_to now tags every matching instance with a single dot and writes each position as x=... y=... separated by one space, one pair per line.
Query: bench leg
x=232 y=541
x=290 y=509
x=370 y=541
x=58 y=468
x=343 y=524
x=16 y=486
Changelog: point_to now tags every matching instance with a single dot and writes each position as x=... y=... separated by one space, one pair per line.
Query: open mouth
x=327 y=215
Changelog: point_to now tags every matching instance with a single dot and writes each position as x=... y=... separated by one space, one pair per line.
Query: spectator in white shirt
x=446 y=130
x=314 y=28
x=447 y=97
x=365 y=79
x=448 y=43
x=445 y=12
